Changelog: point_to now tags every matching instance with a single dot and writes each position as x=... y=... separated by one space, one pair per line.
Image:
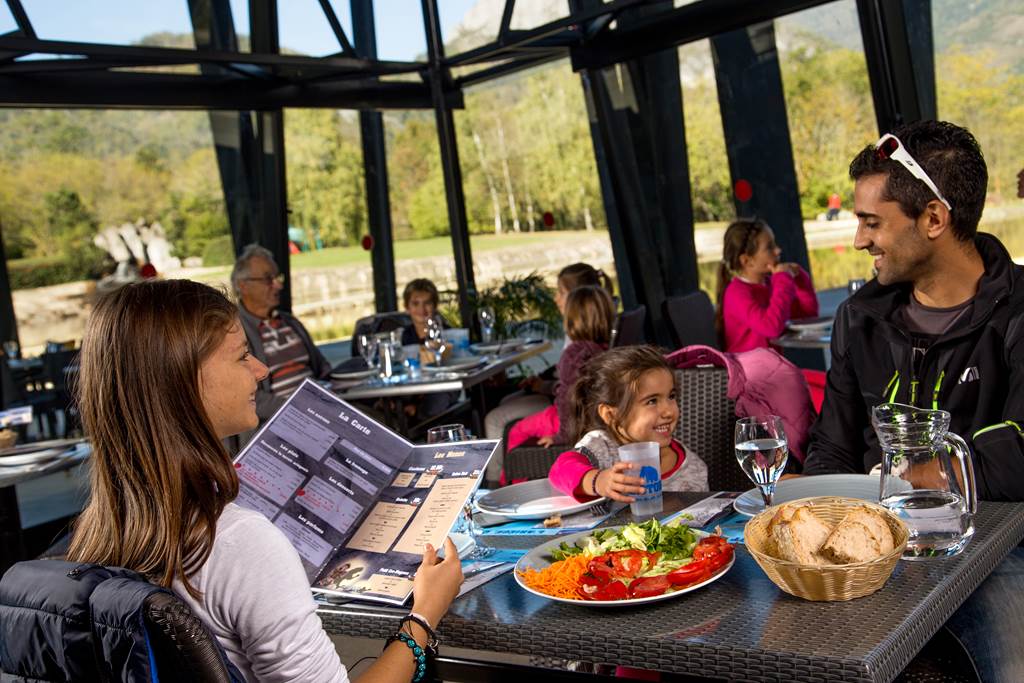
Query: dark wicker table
x=741 y=627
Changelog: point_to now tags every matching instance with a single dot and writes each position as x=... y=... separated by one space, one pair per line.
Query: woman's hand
x=436 y=583
x=616 y=484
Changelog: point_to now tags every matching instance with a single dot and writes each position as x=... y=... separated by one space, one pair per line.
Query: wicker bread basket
x=8 y=437
x=825 y=582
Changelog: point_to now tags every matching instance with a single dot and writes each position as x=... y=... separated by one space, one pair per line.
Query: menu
x=358 y=502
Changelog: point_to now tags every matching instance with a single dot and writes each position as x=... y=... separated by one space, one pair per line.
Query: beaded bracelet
x=417 y=653
x=432 y=641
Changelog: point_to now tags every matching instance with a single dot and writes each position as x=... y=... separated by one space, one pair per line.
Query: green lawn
x=435 y=246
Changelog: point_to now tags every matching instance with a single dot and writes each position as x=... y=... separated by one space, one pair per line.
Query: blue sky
x=302 y=23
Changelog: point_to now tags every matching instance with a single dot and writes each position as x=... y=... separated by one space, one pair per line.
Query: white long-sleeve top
x=257 y=602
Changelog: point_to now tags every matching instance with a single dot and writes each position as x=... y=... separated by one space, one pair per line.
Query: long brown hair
x=740 y=238
x=160 y=475
x=612 y=378
x=589 y=315
x=583 y=274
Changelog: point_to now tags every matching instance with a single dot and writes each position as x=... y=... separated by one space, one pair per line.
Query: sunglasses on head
x=890 y=147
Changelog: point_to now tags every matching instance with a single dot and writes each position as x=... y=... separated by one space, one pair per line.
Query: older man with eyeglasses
x=275 y=337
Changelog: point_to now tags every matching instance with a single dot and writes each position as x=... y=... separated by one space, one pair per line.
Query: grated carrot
x=560 y=580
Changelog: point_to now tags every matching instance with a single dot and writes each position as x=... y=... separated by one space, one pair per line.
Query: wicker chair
x=707 y=419
x=706 y=422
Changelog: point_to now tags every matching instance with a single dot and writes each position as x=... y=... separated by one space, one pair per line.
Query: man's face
x=260 y=291
x=900 y=247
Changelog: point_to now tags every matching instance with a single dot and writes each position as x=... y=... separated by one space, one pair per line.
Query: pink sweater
x=753 y=314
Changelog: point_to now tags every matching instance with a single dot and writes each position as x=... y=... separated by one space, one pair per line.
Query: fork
x=601 y=509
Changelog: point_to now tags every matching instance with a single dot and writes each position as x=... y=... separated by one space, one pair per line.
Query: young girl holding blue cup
x=625 y=395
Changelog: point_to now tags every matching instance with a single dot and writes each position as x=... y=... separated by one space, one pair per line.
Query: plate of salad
x=624 y=565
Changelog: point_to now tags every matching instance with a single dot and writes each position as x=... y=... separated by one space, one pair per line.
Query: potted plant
x=514 y=301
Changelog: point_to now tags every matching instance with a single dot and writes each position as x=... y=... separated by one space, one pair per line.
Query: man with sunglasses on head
x=275 y=337
x=942 y=324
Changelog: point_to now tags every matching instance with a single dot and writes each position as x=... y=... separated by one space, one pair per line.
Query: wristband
x=432 y=641
x=418 y=654
x=594 y=483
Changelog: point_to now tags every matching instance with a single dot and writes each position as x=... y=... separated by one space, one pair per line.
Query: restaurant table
x=741 y=627
x=430 y=383
x=12 y=543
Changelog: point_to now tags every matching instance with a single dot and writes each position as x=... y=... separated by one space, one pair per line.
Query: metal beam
x=457 y=220
x=169 y=55
x=375 y=172
x=900 y=58
x=268 y=155
x=671 y=28
x=8 y=322
x=509 y=67
x=756 y=128
x=21 y=18
x=567 y=25
x=179 y=91
x=339 y=32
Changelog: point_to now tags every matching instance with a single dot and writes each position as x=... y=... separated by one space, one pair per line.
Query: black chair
x=529 y=461
x=629 y=328
x=378 y=323
x=691 y=319
x=181 y=646
x=59 y=367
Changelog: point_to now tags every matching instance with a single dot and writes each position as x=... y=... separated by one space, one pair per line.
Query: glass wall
x=90 y=196
x=331 y=272
x=419 y=213
x=531 y=184
x=979 y=71
x=831 y=118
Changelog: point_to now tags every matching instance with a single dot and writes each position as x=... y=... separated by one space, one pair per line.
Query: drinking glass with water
x=762 y=451
x=927 y=479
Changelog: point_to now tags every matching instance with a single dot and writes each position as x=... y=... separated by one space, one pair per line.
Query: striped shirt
x=287 y=357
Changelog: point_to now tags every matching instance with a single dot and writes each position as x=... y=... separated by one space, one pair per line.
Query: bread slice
x=851 y=541
x=799 y=538
x=877 y=526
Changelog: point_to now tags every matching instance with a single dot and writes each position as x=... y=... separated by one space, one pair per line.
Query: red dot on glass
x=300 y=492
x=743 y=190
x=839 y=249
x=367 y=242
x=549 y=218
x=238 y=465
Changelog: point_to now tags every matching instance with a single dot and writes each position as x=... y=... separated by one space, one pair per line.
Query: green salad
x=673 y=542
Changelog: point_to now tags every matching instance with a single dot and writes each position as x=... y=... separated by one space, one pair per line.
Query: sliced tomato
x=710 y=546
x=716 y=562
x=648 y=586
x=689 y=574
x=601 y=567
x=628 y=563
x=616 y=590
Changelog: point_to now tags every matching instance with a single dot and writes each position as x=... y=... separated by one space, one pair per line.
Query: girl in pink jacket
x=758 y=295
x=625 y=395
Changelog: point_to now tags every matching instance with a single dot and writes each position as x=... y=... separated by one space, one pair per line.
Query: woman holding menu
x=165 y=375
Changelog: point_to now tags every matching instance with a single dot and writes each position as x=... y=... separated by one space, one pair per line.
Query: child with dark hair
x=758 y=295
x=625 y=395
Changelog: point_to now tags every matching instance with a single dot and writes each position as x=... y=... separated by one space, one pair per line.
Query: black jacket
x=975 y=371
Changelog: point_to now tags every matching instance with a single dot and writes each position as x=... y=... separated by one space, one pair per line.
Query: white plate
x=354 y=374
x=489 y=347
x=860 y=486
x=540 y=557
x=811 y=324
x=455 y=364
x=536 y=499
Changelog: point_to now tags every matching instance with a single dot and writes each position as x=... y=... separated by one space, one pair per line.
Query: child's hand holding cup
x=644 y=460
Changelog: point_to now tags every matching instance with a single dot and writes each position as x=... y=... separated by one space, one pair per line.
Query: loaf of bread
x=861 y=535
x=796 y=534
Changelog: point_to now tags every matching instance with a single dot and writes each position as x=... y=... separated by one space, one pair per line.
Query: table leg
x=12 y=540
